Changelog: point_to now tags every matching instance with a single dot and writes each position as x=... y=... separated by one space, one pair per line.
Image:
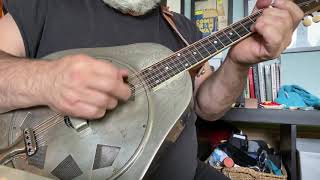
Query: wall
x=174 y=5
x=297 y=68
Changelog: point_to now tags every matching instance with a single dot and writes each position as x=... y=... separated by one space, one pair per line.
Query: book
x=246 y=91
x=267 y=71
x=256 y=82
x=262 y=86
x=278 y=77
x=273 y=81
x=251 y=83
x=206 y=20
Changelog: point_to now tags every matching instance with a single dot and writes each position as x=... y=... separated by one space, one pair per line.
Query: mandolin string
x=218 y=34
x=44 y=127
x=185 y=55
x=43 y=123
x=48 y=126
x=235 y=26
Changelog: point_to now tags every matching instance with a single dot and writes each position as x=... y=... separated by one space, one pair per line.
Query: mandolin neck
x=198 y=52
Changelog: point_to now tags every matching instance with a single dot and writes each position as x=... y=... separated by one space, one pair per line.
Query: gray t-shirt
x=49 y=26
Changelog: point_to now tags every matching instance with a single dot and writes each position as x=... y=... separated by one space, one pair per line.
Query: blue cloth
x=295 y=96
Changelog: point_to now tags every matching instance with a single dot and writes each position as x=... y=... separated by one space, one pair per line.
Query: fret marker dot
x=194 y=53
x=230 y=33
x=186 y=64
x=157 y=81
x=178 y=54
x=215 y=42
x=167 y=68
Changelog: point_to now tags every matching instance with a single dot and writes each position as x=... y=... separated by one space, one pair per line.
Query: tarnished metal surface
x=135 y=129
x=14 y=174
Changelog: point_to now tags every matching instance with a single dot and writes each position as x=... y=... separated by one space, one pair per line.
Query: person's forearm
x=216 y=95
x=20 y=82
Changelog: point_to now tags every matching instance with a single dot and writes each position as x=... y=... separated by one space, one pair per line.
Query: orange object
x=228 y=162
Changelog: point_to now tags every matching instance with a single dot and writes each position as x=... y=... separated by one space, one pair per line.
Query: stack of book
x=263 y=82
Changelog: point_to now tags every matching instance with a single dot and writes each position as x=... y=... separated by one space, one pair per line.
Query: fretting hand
x=273 y=30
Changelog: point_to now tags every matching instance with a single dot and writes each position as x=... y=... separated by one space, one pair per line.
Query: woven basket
x=242 y=173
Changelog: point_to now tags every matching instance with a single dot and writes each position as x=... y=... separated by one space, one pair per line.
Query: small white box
x=309 y=158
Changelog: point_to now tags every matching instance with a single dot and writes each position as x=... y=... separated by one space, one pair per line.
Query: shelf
x=296 y=117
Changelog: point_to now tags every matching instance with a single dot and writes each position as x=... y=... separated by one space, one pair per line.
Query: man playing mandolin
x=81 y=86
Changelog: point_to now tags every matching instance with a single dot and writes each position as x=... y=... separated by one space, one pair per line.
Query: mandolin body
x=120 y=145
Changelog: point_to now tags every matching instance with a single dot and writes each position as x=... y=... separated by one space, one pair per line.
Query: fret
x=158 y=75
x=192 y=57
x=227 y=36
x=202 y=50
x=180 y=61
x=240 y=29
x=233 y=36
x=254 y=16
x=217 y=44
x=247 y=25
x=165 y=69
x=252 y=20
x=224 y=39
x=172 y=67
x=209 y=45
x=147 y=76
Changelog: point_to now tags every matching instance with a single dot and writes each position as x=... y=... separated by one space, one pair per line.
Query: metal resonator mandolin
x=122 y=144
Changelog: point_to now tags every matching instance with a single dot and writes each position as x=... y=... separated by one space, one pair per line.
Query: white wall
x=174 y=5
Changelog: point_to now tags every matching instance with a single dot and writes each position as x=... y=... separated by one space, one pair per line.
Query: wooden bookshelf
x=296 y=117
x=288 y=121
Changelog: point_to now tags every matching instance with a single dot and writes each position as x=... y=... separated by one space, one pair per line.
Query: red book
x=251 y=83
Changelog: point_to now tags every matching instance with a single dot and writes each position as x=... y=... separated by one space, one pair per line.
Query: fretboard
x=198 y=52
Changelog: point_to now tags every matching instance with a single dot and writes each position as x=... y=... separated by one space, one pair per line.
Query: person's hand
x=84 y=87
x=273 y=33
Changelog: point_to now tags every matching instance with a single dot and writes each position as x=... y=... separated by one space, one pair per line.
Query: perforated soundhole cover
x=105 y=156
x=67 y=169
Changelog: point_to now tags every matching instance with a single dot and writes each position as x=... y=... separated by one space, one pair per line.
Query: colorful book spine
x=262 y=85
x=256 y=82
x=273 y=82
x=251 y=83
x=246 y=90
x=267 y=71
x=278 y=81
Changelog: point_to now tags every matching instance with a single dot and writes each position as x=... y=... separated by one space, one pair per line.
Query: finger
x=278 y=17
x=84 y=110
x=124 y=73
x=97 y=98
x=268 y=21
x=261 y=4
x=295 y=12
x=271 y=33
x=113 y=87
x=112 y=103
x=105 y=68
